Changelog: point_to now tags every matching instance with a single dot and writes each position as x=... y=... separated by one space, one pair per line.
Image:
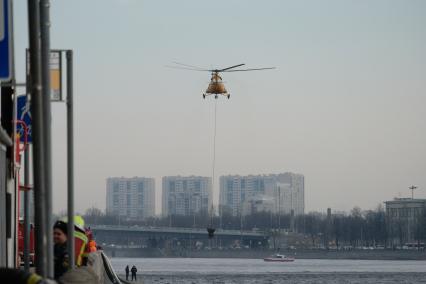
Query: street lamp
x=413 y=187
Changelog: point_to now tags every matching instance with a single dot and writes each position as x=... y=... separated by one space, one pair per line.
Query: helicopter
x=216 y=86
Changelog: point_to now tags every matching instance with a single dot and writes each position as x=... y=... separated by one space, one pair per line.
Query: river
x=217 y=270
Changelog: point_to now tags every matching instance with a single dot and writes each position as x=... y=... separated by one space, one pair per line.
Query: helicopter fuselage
x=216 y=86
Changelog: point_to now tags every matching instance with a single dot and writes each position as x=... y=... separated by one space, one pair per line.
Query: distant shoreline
x=259 y=254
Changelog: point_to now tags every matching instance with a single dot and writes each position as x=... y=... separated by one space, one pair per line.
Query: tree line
x=357 y=228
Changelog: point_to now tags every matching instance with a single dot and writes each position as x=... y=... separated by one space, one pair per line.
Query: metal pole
x=241 y=225
x=220 y=216
x=190 y=232
x=70 y=156
x=27 y=226
x=413 y=187
x=279 y=211
x=27 y=209
x=37 y=135
x=47 y=120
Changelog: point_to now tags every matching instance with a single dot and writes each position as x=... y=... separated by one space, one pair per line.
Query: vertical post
x=70 y=156
x=40 y=223
x=27 y=209
x=279 y=211
x=190 y=232
x=220 y=215
x=241 y=225
x=27 y=226
x=328 y=229
x=47 y=119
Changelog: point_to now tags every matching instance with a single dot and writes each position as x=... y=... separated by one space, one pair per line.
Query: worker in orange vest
x=92 y=246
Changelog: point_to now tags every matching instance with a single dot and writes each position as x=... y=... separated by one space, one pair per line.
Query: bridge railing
x=175 y=230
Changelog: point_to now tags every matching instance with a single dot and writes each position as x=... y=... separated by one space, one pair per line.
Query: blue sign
x=24 y=115
x=5 y=41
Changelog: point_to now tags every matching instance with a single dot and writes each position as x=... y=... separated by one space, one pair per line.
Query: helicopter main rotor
x=216 y=86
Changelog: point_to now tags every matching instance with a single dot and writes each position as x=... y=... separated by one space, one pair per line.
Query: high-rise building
x=130 y=198
x=275 y=192
x=186 y=196
x=403 y=220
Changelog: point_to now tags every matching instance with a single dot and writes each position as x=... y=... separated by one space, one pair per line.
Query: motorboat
x=279 y=258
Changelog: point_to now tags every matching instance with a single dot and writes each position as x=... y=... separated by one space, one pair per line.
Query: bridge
x=153 y=237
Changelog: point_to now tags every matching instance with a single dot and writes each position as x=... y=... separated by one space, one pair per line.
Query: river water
x=217 y=270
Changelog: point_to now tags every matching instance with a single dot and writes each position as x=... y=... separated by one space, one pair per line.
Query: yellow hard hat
x=78 y=222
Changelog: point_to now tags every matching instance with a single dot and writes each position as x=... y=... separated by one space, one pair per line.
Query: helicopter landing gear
x=204 y=96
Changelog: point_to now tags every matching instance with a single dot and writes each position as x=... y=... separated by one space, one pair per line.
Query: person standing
x=127 y=272
x=134 y=270
x=60 y=238
x=61 y=257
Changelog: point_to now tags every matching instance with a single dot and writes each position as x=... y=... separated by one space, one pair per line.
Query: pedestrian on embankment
x=134 y=270
x=127 y=272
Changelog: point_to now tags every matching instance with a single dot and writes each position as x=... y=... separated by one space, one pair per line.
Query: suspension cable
x=214 y=160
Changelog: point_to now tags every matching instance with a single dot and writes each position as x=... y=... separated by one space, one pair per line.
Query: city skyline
x=201 y=187
x=269 y=187
x=281 y=188
x=158 y=193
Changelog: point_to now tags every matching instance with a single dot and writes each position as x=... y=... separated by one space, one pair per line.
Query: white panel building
x=130 y=198
x=186 y=196
x=275 y=192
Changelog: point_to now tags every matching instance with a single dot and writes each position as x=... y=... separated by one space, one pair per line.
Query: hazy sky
x=345 y=106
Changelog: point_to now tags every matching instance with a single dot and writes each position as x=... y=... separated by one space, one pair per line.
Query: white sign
x=55 y=66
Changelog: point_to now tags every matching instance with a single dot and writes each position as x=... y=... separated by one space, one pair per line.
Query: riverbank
x=277 y=278
x=258 y=254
